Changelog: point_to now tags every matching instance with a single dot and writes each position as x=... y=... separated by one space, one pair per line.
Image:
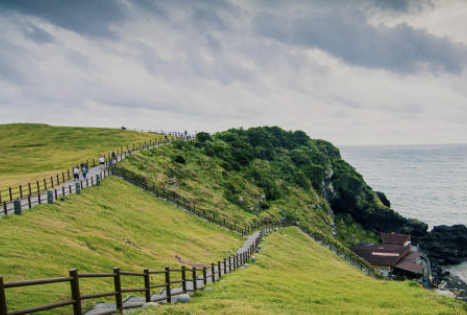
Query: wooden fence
x=189 y=280
x=33 y=189
x=181 y=202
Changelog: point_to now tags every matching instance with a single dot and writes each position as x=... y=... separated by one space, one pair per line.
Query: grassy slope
x=203 y=179
x=108 y=226
x=33 y=151
x=295 y=275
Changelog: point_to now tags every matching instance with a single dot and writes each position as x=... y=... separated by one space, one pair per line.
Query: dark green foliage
x=179 y=159
x=203 y=137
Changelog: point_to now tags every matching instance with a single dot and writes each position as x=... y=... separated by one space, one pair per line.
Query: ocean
x=426 y=182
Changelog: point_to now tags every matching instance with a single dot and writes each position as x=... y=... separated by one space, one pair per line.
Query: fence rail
x=177 y=281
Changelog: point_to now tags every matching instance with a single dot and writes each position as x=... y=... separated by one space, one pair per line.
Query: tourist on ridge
x=101 y=163
x=76 y=172
x=84 y=171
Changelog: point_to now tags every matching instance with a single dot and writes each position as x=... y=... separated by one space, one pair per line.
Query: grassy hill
x=295 y=275
x=260 y=173
x=33 y=151
x=114 y=225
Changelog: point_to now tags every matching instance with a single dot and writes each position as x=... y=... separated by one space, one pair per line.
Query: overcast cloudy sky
x=352 y=72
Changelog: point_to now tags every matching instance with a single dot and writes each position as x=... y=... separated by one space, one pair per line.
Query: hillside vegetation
x=114 y=225
x=266 y=172
x=295 y=275
x=33 y=151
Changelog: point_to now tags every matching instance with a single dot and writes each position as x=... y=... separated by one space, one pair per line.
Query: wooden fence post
x=225 y=265
x=219 y=269
x=195 y=282
x=213 y=274
x=45 y=184
x=147 y=285
x=118 y=289
x=183 y=279
x=11 y=195
x=75 y=294
x=21 y=191
x=167 y=281
x=5 y=207
x=205 y=275
x=3 y=308
x=38 y=188
x=29 y=202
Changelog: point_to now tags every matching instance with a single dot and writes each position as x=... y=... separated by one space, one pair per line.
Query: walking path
x=67 y=188
x=178 y=294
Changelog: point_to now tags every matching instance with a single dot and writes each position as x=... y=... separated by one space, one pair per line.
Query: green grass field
x=295 y=275
x=114 y=225
x=32 y=152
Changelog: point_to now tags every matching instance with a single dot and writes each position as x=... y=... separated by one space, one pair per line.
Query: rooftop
x=396 y=239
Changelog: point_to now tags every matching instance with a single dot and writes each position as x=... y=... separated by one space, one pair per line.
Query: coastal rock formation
x=445 y=244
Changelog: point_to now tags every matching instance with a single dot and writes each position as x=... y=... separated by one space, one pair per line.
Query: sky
x=350 y=72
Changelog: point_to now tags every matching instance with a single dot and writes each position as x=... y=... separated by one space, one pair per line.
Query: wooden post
x=167 y=281
x=183 y=279
x=225 y=265
x=21 y=191
x=205 y=275
x=63 y=192
x=56 y=194
x=52 y=181
x=68 y=173
x=45 y=184
x=195 y=282
x=0 y=196
x=58 y=180
x=63 y=177
x=219 y=269
x=3 y=307
x=11 y=195
x=118 y=289
x=38 y=188
x=39 y=198
x=29 y=202
x=213 y=274
x=5 y=207
x=147 y=285
x=75 y=294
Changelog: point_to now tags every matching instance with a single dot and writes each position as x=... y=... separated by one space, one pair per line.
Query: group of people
x=80 y=169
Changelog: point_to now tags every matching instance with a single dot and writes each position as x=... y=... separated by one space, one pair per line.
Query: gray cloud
x=346 y=35
x=37 y=34
x=84 y=16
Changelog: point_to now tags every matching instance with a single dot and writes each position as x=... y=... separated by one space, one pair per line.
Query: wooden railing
x=187 y=280
x=175 y=198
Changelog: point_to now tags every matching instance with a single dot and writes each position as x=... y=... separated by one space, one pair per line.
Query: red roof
x=395 y=239
x=407 y=263
x=381 y=254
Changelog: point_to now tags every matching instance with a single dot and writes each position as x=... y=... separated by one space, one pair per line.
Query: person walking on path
x=76 y=172
x=84 y=171
x=101 y=162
